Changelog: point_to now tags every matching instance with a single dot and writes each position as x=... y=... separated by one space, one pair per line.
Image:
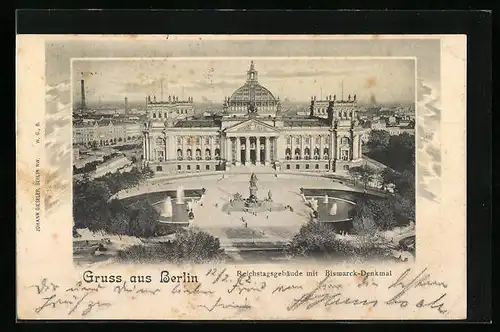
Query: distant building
x=105 y=132
x=171 y=109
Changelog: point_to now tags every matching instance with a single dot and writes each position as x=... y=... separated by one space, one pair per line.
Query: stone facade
x=243 y=135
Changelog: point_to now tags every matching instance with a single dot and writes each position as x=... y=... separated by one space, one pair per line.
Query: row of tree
x=395 y=151
x=92 y=208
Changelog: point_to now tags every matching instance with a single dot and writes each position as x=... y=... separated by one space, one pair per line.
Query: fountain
x=325 y=200
x=314 y=204
x=180 y=194
x=333 y=210
x=167 y=210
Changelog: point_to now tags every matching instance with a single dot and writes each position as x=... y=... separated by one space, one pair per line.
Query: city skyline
x=211 y=80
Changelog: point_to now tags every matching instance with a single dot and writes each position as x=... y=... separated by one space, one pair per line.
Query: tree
x=118 y=220
x=317 y=240
x=363 y=217
x=378 y=139
x=144 y=219
x=189 y=246
x=195 y=247
x=89 y=203
x=369 y=215
x=355 y=173
x=366 y=174
x=147 y=172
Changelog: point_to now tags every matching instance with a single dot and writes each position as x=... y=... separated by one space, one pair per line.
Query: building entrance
x=243 y=157
x=253 y=156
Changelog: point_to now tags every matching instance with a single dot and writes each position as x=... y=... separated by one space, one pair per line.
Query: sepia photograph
x=279 y=177
x=243 y=159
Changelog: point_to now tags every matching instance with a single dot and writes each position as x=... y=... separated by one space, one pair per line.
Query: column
x=267 y=150
x=355 y=148
x=212 y=147
x=184 y=154
x=247 y=150
x=257 y=147
x=144 y=146
x=332 y=150
x=292 y=147
x=147 y=147
x=321 y=147
x=238 y=150
x=202 y=147
x=229 y=149
x=166 y=148
x=301 y=146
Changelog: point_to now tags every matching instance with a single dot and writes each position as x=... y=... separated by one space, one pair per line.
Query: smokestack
x=83 y=93
x=126 y=105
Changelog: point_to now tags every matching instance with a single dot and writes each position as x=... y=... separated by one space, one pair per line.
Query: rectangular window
x=289 y=140
x=188 y=167
x=316 y=166
x=307 y=140
x=207 y=167
x=346 y=167
x=198 y=140
x=207 y=140
x=297 y=166
x=288 y=166
x=297 y=140
x=318 y=140
x=179 y=140
x=197 y=167
x=179 y=167
x=307 y=166
x=326 y=166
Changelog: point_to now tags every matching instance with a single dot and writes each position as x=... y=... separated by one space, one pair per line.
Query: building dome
x=243 y=93
x=252 y=97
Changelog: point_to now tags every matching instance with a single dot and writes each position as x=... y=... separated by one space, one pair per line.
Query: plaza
x=245 y=230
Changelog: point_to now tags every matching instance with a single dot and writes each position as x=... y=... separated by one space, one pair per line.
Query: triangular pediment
x=251 y=126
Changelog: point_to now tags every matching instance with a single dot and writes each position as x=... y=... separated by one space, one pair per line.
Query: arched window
x=325 y=153
x=288 y=154
x=179 y=154
x=297 y=154
x=344 y=154
x=198 y=154
x=208 y=156
x=159 y=115
x=316 y=153
x=189 y=154
x=307 y=153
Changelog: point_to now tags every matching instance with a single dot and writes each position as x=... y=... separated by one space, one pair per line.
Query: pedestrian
x=267 y=217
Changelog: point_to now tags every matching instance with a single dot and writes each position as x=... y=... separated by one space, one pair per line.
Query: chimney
x=83 y=93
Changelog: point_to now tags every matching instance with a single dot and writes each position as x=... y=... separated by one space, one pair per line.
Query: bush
x=369 y=215
x=320 y=241
x=189 y=246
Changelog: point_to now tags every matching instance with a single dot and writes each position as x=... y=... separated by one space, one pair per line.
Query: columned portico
x=250 y=150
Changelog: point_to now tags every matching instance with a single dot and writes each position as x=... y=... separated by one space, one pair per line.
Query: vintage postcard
x=241 y=177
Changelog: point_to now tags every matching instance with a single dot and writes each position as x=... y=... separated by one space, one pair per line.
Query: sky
x=372 y=80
